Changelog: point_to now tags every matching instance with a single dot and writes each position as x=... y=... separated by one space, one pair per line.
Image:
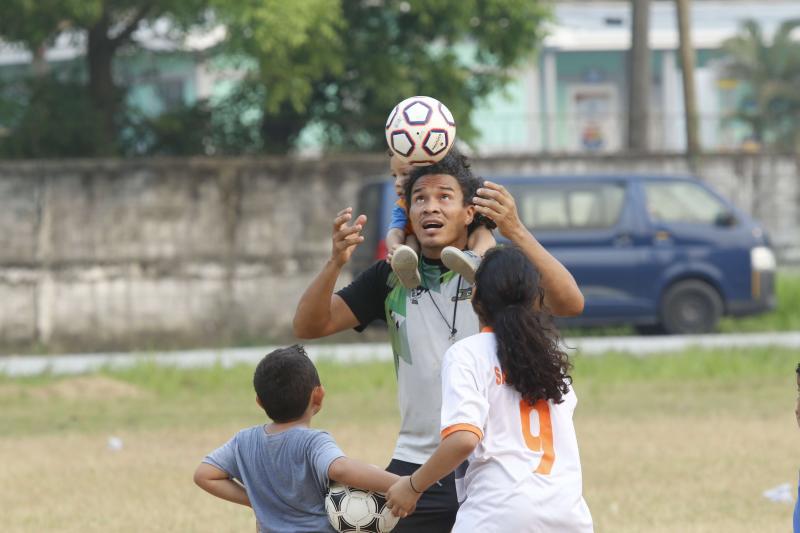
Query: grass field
x=675 y=443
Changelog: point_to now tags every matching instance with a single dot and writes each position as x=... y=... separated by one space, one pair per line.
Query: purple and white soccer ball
x=353 y=510
x=420 y=130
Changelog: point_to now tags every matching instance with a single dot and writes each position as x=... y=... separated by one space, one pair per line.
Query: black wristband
x=411 y=483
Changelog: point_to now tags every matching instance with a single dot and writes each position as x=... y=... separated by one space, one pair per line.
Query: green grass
x=786 y=317
x=674 y=442
x=165 y=397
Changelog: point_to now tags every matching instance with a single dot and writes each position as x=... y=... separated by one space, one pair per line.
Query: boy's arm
x=481 y=240
x=561 y=293
x=452 y=451
x=354 y=473
x=217 y=482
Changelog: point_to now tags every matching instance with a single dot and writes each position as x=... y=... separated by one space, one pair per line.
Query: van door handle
x=623 y=239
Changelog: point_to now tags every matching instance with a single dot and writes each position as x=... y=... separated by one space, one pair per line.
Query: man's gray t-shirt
x=285 y=475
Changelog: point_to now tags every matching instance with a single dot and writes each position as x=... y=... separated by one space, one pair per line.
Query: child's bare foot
x=404 y=264
x=464 y=262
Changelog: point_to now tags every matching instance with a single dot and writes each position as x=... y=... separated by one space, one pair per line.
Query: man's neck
x=436 y=253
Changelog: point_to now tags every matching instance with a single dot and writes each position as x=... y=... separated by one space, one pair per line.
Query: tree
x=107 y=26
x=340 y=65
x=639 y=77
x=683 y=12
x=770 y=105
x=375 y=53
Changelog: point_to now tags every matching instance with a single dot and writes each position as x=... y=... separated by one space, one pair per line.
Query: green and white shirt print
x=423 y=324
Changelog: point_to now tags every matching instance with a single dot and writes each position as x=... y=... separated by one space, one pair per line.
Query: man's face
x=400 y=171
x=438 y=214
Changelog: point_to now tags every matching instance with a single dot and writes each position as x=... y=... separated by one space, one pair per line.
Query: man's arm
x=354 y=473
x=217 y=482
x=561 y=293
x=320 y=312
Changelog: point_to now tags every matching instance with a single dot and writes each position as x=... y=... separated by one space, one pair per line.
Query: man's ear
x=470 y=214
x=258 y=402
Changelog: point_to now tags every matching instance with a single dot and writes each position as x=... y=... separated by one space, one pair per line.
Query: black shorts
x=436 y=509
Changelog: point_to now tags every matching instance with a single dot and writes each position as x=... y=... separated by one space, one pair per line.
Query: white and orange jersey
x=525 y=474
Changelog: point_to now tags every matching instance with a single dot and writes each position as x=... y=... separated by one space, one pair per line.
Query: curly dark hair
x=509 y=299
x=457 y=165
x=284 y=380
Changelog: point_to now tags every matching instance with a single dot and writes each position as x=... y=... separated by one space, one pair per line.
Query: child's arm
x=452 y=451
x=481 y=240
x=354 y=473
x=217 y=482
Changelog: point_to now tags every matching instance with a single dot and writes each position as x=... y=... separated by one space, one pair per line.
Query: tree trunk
x=102 y=91
x=639 y=78
x=39 y=64
x=687 y=67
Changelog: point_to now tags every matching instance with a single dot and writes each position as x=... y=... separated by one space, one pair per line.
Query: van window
x=583 y=206
x=682 y=202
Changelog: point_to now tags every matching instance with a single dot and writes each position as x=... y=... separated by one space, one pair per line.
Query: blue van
x=664 y=254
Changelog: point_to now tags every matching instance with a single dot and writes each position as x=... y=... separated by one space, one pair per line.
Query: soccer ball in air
x=420 y=130
x=354 y=510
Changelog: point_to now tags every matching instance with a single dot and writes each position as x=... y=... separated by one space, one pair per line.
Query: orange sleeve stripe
x=446 y=432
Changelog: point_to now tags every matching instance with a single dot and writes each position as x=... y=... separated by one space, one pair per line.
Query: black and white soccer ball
x=353 y=510
x=420 y=130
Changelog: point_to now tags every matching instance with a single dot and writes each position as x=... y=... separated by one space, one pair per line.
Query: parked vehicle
x=664 y=254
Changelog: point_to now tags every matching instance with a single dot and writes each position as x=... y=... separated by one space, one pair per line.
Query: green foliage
x=340 y=65
x=45 y=117
x=458 y=51
x=771 y=70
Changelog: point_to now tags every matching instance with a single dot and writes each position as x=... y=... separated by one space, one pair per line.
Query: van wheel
x=690 y=306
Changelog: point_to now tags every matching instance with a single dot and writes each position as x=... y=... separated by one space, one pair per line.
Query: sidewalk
x=24 y=365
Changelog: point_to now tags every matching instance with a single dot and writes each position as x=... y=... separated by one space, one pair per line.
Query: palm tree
x=770 y=105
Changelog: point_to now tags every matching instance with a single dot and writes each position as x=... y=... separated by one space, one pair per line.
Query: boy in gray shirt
x=282 y=470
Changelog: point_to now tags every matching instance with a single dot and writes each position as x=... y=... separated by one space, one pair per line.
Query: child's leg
x=404 y=259
x=394 y=237
x=467 y=262
x=481 y=240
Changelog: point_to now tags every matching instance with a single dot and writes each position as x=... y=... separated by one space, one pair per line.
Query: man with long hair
x=443 y=200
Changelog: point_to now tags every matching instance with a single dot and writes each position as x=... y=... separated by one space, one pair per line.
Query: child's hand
x=401 y=498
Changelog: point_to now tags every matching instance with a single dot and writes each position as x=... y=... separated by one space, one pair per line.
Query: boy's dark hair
x=457 y=165
x=283 y=381
x=798 y=369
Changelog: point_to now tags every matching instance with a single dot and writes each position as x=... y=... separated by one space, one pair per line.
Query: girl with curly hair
x=507 y=405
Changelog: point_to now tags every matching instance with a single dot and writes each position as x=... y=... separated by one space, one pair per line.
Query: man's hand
x=346 y=238
x=495 y=202
x=401 y=498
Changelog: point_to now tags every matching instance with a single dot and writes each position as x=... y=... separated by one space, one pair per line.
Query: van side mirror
x=725 y=220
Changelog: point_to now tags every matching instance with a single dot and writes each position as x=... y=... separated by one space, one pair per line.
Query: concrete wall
x=109 y=254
